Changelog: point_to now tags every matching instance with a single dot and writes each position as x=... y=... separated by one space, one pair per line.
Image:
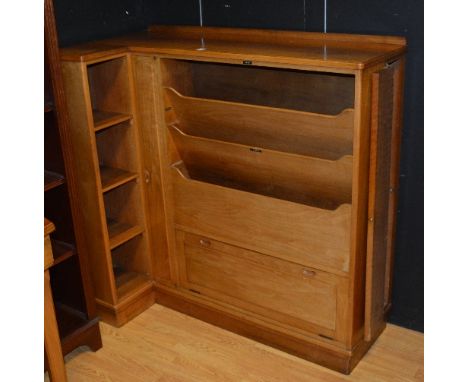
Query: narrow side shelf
x=76 y=329
x=62 y=251
x=104 y=119
x=128 y=283
x=69 y=320
x=52 y=180
x=113 y=177
x=120 y=233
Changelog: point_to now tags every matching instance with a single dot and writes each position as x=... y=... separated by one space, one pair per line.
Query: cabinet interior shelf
x=69 y=320
x=113 y=177
x=52 y=180
x=103 y=119
x=128 y=283
x=120 y=233
x=62 y=251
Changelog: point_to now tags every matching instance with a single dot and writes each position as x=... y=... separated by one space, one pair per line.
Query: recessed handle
x=147 y=176
x=308 y=273
x=205 y=242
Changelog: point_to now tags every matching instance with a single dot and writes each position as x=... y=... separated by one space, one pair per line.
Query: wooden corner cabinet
x=250 y=181
x=72 y=290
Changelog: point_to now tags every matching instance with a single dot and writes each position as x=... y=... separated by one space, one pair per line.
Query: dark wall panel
x=86 y=20
x=404 y=18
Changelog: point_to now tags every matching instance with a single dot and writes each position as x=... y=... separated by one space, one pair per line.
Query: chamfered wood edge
x=120 y=314
x=337 y=359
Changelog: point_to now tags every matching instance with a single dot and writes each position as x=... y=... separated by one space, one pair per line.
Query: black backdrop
x=79 y=21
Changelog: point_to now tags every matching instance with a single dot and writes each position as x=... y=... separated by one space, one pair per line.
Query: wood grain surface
x=163 y=345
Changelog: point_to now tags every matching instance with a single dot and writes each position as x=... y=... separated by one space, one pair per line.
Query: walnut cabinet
x=246 y=177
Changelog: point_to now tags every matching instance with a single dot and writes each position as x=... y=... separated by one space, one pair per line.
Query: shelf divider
x=103 y=119
x=62 y=251
x=113 y=177
x=120 y=233
x=52 y=180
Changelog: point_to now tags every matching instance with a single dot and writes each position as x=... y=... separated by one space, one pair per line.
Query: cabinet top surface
x=288 y=48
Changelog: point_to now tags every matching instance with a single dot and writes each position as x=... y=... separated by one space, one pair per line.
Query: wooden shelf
x=69 y=320
x=103 y=119
x=62 y=251
x=120 y=233
x=128 y=283
x=113 y=177
x=52 y=180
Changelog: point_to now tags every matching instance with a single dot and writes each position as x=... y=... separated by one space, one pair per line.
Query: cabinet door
x=287 y=293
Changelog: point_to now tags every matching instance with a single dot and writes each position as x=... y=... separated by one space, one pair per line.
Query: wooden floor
x=163 y=345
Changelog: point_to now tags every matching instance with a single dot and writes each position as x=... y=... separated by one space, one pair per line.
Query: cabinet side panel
x=145 y=86
x=355 y=309
x=379 y=197
x=86 y=168
x=398 y=81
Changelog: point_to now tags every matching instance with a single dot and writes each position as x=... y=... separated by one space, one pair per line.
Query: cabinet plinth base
x=337 y=359
x=124 y=311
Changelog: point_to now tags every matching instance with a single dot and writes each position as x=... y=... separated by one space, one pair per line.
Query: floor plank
x=164 y=345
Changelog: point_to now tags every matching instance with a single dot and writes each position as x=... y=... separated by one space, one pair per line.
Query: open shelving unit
x=71 y=286
x=121 y=264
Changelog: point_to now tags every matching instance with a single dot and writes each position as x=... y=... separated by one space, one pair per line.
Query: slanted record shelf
x=120 y=256
x=249 y=137
x=274 y=145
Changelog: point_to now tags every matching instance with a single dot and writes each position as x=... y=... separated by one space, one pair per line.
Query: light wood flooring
x=164 y=345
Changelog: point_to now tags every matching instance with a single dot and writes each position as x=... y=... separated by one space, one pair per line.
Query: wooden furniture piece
x=268 y=162
x=52 y=344
x=71 y=285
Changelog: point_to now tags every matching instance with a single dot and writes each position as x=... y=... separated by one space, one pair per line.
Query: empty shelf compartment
x=131 y=267
x=124 y=213
x=116 y=151
x=304 y=133
x=109 y=88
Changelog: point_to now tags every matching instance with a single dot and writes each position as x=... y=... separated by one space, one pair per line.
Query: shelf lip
x=122 y=233
x=52 y=180
x=108 y=119
x=119 y=178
